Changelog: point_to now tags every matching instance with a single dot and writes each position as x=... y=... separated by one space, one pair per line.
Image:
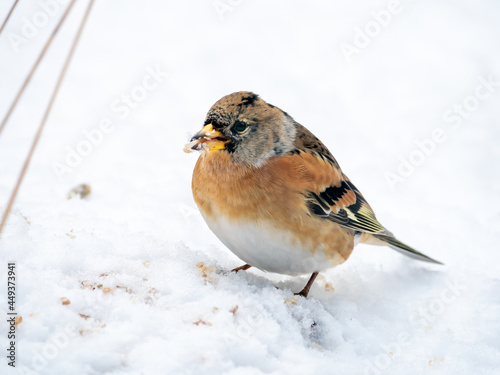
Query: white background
x=140 y=230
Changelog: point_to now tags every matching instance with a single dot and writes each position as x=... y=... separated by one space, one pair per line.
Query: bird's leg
x=304 y=292
x=242 y=268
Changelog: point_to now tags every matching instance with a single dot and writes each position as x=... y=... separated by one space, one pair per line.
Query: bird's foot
x=242 y=268
x=304 y=292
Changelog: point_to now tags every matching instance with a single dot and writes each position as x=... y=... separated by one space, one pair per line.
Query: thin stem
x=45 y=117
x=35 y=66
x=8 y=16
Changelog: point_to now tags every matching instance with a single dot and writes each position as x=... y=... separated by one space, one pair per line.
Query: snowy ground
x=146 y=280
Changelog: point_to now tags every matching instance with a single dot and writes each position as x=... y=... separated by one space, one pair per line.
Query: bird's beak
x=208 y=138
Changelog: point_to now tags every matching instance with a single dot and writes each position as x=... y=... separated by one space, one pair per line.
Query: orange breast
x=272 y=193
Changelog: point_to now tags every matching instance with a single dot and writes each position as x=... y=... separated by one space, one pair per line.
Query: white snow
x=147 y=281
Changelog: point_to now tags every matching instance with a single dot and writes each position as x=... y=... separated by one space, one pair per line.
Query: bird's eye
x=240 y=126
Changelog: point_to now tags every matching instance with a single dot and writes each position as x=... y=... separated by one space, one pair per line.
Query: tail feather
x=397 y=245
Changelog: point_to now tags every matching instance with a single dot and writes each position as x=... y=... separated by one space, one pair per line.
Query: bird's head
x=246 y=127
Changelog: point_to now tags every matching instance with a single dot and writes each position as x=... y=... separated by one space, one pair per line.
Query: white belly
x=267 y=248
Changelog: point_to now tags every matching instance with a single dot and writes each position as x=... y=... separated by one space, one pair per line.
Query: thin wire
x=35 y=66
x=45 y=116
x=8 y=16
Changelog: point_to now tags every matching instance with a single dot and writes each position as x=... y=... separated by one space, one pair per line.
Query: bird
x=274 y=194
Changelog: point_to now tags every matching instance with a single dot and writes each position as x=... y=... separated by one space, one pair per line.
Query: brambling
x=275 y=195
